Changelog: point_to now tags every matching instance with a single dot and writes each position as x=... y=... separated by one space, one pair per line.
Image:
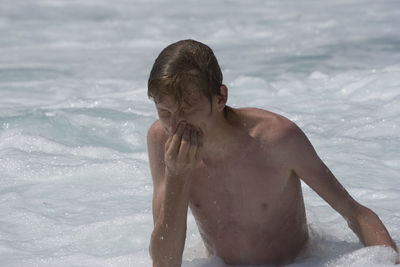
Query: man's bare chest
x=239 y=203
x=247 y=188
x=245 y=203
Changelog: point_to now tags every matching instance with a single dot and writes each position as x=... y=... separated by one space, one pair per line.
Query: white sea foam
x=75 y=188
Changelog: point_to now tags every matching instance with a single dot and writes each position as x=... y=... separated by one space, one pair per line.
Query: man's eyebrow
x=167 y=107
x=162 y=105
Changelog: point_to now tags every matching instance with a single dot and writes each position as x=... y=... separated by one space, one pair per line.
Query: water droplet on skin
x=215 y=202
x=161 y=238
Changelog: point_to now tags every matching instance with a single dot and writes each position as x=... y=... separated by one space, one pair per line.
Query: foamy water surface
x=75 y=187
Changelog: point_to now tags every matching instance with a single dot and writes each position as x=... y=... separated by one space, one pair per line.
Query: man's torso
x=249 y=206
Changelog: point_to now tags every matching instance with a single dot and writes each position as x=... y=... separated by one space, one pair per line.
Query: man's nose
x=174 y=121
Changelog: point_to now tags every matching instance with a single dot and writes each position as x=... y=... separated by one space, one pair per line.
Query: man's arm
x=305 y=162
x=170 y=166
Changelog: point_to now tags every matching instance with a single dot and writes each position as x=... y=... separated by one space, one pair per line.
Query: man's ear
x=222 y=98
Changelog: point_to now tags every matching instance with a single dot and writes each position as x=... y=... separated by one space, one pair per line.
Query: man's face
x=197 y=113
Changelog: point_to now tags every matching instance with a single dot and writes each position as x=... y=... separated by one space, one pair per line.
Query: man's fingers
x=193 y=144
x=185 y=142
x=183 y=147
x=199 y=145
x=176 y=140
x=168 y=142
x=193 y=137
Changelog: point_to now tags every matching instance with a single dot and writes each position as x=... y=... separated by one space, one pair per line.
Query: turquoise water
x=75 y=188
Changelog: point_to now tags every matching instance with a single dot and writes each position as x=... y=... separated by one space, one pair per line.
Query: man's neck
x=222 y=140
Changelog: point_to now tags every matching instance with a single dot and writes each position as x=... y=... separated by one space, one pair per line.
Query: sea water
x=75 y=186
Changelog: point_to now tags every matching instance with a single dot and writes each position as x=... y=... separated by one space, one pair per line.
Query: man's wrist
x=176 y=179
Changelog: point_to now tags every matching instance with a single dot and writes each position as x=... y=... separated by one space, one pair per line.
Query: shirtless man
x=238 y=170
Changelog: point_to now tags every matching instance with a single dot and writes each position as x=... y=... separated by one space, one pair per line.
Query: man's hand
x=182 y=150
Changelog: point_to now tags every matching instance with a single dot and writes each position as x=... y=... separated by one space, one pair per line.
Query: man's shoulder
x=156 y=134
x=278 y=135
x=270 y=125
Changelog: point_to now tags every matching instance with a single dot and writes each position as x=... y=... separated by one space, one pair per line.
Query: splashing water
x=75 y=188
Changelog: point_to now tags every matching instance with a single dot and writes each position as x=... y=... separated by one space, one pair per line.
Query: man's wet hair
x=181 y=66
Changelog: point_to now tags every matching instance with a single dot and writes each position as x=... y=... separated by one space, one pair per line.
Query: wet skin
x=240 y=176
x=248 y=206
